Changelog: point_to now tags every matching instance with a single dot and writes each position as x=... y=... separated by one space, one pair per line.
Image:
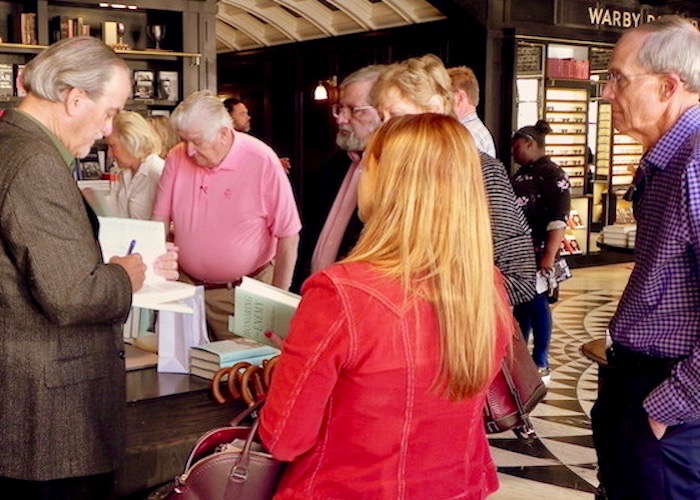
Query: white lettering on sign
x=614 y=17
x=624 y=19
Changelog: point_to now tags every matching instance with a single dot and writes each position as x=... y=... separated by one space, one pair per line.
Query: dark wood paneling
x=277 y=83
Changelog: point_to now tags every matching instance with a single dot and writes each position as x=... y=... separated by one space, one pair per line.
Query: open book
x=260 y=308
x=120 y=236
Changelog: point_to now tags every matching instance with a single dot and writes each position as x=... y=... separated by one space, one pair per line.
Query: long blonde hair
x=428 y=226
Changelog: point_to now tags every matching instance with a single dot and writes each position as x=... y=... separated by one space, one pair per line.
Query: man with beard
x=337 y=226
x=239 y=114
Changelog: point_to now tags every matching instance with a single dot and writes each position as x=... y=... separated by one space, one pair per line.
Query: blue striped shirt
x=659 y=312
x=482 y=136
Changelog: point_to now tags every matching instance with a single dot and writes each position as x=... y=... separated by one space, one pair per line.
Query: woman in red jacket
x=379 y=391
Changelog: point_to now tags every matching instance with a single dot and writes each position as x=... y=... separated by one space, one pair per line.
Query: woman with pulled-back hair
x=542 y=190
x=380 y=388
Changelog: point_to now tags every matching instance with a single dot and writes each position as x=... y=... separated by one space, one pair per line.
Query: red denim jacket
x=352 y=405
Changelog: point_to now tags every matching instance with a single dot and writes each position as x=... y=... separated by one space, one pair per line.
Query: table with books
x=168 y=412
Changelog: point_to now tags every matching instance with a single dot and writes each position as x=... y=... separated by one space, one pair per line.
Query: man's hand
x=657 y=428
x=134 y=267
x=286 y=164
x=166 y=264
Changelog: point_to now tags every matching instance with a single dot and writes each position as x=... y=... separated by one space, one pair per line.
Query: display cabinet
x=566 y=111
x=183 y=46
x=577 y=237
x=617 y=157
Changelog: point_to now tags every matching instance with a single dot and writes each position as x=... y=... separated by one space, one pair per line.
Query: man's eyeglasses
x=616 y=78
x=339 y=110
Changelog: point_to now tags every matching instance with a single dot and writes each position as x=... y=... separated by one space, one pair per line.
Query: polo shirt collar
x=226 y=162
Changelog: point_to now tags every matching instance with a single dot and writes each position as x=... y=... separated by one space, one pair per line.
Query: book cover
x=6 y=79
x=228 y=352
x=260 y=308
x=109 y=33
x=213 y=366
x=199 y=369
x=19 y=85
x=119 y=236
x=90 y=167
x=24 y=28
x=59 y=27
x=143 y=84
x=168 y=85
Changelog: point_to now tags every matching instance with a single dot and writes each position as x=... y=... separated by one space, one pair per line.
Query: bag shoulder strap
x=239 y=471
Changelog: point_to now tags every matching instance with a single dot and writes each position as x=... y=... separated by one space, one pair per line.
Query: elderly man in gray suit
x=62 y=378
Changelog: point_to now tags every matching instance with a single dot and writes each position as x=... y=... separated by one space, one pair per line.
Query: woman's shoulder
x=153 y=164
x=545 y=166
x=358 y=276
x=344 y=272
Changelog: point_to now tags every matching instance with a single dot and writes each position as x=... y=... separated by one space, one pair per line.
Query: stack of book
x=207 y=359
x=620 y=235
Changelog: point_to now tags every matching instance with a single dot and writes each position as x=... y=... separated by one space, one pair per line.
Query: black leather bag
x=514 y=393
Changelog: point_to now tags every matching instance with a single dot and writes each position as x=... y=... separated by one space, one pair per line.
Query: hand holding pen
x=133 y=264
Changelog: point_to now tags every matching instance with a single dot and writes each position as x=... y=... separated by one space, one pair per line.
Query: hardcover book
x=120 y=236
x=19 y=85
x=6 y=79
x=222 y=353
x=168 y=85
x=143 y=84
x=208 y=370
x=24 y=28
x=260 y=308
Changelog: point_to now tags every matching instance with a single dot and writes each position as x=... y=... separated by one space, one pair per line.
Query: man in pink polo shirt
x=231 y=205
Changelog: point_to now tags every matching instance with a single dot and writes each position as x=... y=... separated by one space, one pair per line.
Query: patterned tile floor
x=561 y=462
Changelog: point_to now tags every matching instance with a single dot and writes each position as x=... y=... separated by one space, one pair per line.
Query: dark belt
x=627 y=359
x=208 y=285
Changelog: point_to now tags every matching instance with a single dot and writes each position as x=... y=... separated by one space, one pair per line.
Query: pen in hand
x=131 y=247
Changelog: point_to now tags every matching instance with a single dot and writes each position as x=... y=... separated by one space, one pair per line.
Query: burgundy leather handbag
x=513 y=394
x=224 y=465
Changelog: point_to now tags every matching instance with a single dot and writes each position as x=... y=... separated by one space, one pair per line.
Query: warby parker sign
x=599 y=15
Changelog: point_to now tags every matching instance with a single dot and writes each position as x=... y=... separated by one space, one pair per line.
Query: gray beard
x=349 y=142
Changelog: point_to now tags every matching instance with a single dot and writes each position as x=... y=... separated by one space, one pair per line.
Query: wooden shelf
x=155 y=54
x=20 y=48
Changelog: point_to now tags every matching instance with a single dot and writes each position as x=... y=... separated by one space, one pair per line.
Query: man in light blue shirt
x=466 y=92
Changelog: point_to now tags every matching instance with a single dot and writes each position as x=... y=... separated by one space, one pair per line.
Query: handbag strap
x=239 y=471
x=248 y=411
x=525 y=431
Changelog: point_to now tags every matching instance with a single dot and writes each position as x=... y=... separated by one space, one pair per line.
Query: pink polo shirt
x=227 y=219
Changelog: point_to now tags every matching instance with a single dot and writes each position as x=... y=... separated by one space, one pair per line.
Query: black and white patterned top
x=542 y=190
x=512 y=241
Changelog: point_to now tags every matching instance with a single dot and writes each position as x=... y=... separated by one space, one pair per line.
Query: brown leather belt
x=208 y=285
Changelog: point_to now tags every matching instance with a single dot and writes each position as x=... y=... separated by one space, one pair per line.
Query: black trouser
x=634 y=464
x=99 y=487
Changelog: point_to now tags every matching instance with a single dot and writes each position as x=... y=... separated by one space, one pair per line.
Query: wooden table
x=595 y=351
x=166 y=414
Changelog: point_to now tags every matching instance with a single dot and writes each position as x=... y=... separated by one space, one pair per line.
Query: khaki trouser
x=220 y=304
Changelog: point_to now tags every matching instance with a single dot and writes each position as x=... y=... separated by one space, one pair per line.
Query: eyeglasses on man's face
x=339 y=110
x=618 y=79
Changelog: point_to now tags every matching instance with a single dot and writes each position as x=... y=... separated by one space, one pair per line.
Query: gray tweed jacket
x=62 y=380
